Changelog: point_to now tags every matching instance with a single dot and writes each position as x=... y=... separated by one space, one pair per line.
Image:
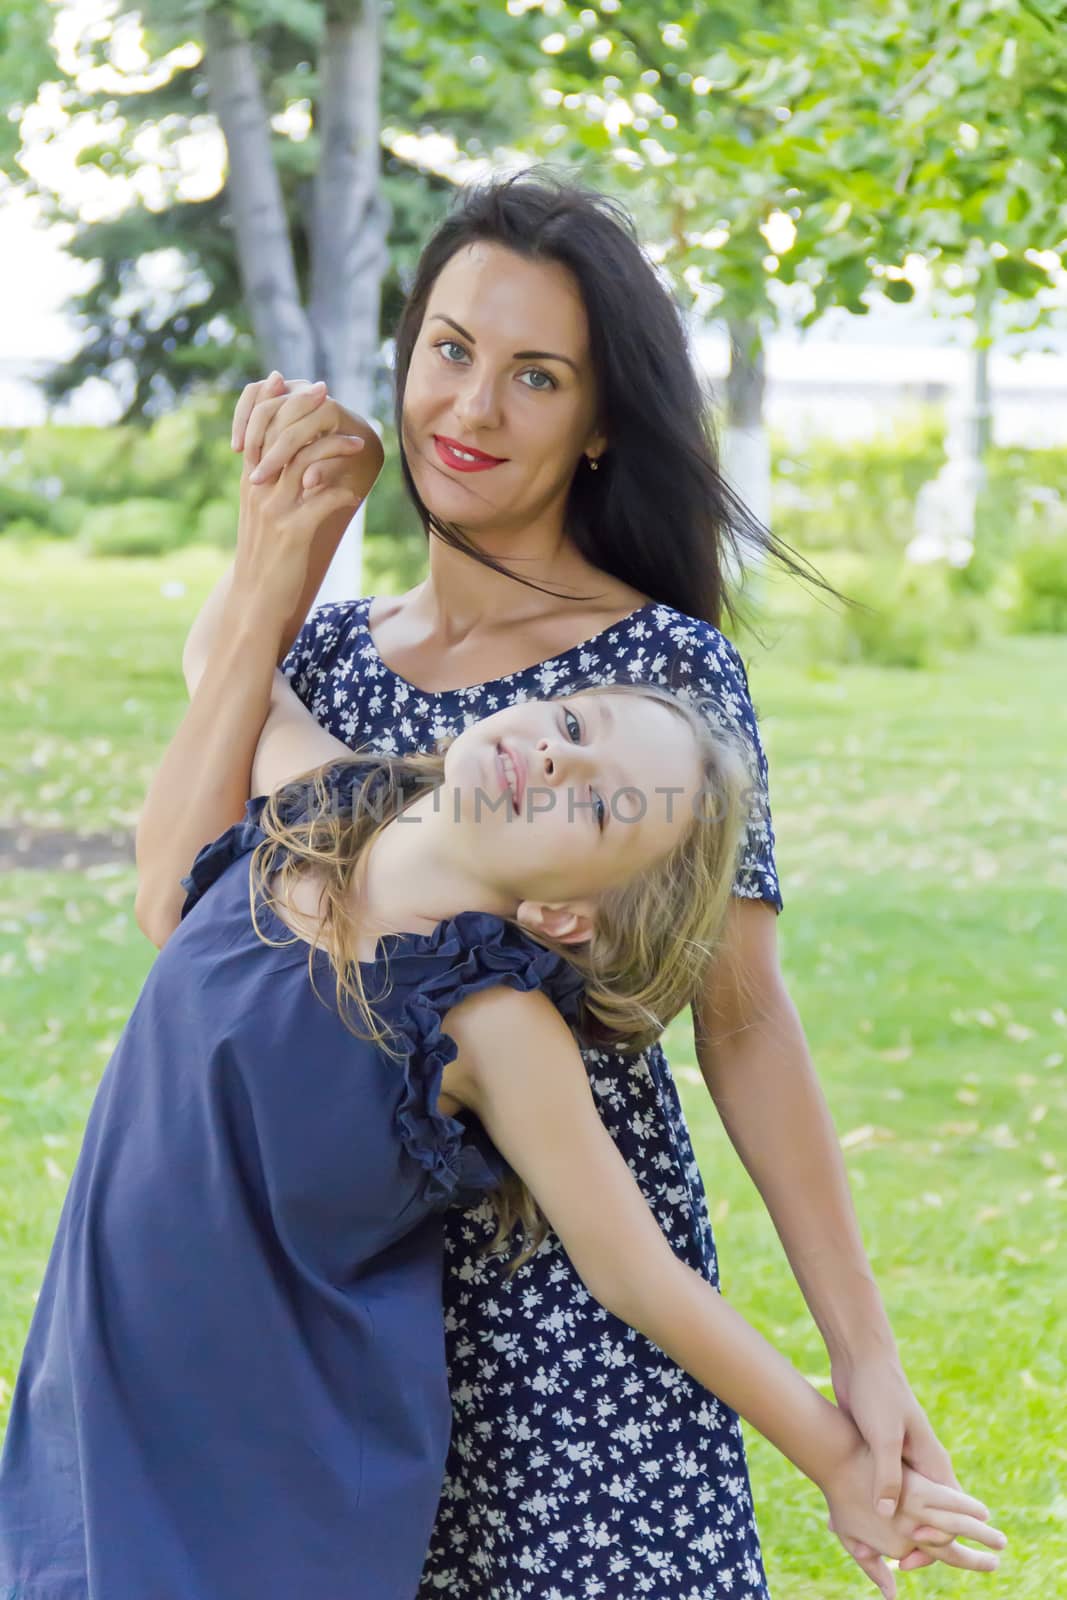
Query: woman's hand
x=273 y=423
x=874 y=1392
x=279 y=519
x=930 y=1517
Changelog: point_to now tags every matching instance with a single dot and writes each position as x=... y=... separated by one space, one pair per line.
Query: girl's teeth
x=509 y=773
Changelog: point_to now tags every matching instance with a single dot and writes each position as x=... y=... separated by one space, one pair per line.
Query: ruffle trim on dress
x=464 y=954
x=211 y=862
x=242 y=837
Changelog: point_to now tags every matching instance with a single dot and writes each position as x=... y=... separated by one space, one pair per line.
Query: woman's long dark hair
x=657 y=514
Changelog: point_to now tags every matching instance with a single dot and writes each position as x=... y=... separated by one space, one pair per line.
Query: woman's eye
x=540 y=388
x=572 y=720
x=450 y=344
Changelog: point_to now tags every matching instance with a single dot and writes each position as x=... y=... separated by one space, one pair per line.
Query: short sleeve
x=214 y=858
x=465 y=954
x=316 y=652
x=709 y=668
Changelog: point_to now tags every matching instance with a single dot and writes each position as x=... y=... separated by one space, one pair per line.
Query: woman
x=581 y=530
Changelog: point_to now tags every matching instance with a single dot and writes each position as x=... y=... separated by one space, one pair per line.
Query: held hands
x=930 y=1517
x=278 y=423
x=874 y=1393
x=299 y=472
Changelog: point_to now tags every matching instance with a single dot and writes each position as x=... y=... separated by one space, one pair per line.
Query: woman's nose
x=477 y=403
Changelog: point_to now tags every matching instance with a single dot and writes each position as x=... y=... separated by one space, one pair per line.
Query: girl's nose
x=557 y=759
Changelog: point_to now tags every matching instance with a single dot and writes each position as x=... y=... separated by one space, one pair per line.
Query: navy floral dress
x=583 y=1462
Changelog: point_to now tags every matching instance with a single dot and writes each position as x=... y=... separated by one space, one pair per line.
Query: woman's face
x=562 y=799
x=474 y=381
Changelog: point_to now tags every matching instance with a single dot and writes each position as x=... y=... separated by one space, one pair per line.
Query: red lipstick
x=446 y=449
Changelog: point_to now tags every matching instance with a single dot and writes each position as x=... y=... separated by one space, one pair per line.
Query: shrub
x=907 y=615
x=22 y=505
x=1041 y=571
x=134 y=528
x=68 y=515
x=216 y=523
x=856 y=495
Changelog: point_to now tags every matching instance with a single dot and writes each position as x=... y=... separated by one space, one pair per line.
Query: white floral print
x=583 y=1462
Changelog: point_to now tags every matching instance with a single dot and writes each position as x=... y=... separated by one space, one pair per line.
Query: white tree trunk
x=254 y=194
x=350 y=226
x=746 y=450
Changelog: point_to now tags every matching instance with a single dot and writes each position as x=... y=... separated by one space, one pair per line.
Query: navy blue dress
x=583 y=1462
x=234 y=1385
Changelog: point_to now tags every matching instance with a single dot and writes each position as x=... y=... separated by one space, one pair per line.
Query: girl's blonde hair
x=654 y=935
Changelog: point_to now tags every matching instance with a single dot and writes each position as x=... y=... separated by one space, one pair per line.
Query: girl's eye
x=574 y=728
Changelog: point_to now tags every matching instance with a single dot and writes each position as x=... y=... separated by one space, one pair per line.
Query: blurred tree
x=25 y=62
x=286 y=263
x=795 y=155
x=781 y=157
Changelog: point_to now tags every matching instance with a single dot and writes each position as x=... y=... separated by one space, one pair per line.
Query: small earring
x=594 y=464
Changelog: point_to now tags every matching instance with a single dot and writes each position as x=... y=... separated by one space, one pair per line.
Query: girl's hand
x=273 y=421
x=277 y=524
x=874 y=1392
x=930 y=1517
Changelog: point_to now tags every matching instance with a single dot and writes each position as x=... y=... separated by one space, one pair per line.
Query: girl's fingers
x=257 y=425
x=914 y=1560
x=880 y=1575
x=962 y=1556
x=278 y=411
x=292 y=479
x=942 y=1527
x=322 y=462
x=940 y=1497
x=246 y=402
x=296 y=424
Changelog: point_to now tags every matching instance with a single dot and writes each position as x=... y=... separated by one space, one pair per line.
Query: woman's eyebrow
x=519 y=355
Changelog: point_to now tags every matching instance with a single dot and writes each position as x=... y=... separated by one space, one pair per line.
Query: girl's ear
x=569 y=923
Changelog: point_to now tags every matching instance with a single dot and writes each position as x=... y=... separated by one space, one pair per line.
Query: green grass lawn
x=922 y=838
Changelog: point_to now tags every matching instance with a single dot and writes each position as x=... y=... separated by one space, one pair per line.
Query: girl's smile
x=514 y=770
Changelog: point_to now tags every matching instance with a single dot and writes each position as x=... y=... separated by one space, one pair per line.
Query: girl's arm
x=519 y=1069
x=755 y=1060
x=234 y=647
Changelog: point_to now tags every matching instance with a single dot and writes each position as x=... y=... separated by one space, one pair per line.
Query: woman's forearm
x=202 y=783
x=767 y=1093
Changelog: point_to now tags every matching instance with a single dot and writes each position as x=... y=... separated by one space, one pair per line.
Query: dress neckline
x=507 y=677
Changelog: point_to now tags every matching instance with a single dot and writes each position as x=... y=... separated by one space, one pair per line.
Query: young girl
x=234 y=1385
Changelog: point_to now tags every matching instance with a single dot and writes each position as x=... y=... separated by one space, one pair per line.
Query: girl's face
x=558 y=800
x=502 y=367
